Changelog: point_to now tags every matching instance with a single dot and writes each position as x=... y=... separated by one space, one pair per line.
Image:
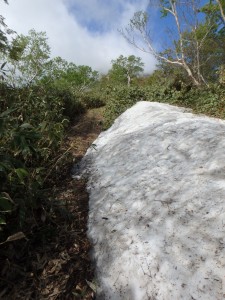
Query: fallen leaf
x=17 y=236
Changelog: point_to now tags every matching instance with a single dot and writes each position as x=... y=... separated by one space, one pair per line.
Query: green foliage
x=93 y=98
x=31 y=131
x=74 y=84
x=125 y=69
x=38 y=98
x=209 y=101
x=172 y=90
x=63 y=75
x=4 y=33
x=72 y=103
x=26 y=59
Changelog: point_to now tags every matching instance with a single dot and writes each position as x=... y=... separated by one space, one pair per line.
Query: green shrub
x=72 y=104
x=32 y=125
x=207 y=100
x=92 y=98
x=210 y=101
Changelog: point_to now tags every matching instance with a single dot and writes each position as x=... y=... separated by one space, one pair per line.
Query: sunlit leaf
x=2 y=220
x=21 y=173
x=26 y=125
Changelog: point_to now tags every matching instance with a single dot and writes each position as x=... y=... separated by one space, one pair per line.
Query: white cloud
x=67 y=24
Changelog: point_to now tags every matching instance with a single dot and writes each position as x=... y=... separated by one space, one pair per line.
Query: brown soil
x=54 y=262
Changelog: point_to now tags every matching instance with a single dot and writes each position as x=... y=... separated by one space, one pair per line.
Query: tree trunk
x=139 y=24
x=128 y=80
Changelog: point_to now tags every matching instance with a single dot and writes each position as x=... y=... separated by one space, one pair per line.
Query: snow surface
x=157 y=205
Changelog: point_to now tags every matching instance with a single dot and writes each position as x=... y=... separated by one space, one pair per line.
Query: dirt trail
x=86 y=130
x=59 y=267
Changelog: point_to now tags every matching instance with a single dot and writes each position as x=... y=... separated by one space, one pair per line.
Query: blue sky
x=98 y=16
x=82 y=31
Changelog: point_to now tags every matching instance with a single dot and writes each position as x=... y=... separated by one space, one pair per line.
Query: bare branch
x=221 y=10
x=185 y=19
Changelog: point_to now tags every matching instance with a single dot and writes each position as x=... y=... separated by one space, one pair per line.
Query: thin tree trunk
x=139 y=23
x=128 y=80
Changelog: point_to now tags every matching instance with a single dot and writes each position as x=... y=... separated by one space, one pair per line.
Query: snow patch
x=157 y=205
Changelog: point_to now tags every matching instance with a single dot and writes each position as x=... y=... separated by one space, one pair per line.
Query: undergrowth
x=205 y=100
x=32 y=126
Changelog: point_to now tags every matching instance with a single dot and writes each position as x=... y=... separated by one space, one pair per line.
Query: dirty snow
x=157 y=205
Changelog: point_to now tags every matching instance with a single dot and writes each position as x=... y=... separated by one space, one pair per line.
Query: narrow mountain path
x=57 y=265
x=76 y=281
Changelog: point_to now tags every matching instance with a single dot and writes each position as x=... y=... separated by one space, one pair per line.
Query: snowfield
x=157 y=205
